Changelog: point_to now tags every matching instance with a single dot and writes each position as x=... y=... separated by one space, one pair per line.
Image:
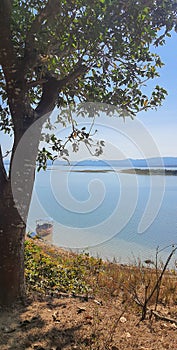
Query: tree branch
x=79 y=70
x=52 y=87
x=49 y=97
x=34 y=83
x=7 y=58
x=30 y=55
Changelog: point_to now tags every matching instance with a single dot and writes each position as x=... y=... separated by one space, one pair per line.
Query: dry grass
x=94 y=305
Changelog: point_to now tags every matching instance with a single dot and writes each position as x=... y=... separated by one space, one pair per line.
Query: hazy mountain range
x=135 y=163
x=166 y=162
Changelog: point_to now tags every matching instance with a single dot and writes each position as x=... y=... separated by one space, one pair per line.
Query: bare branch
x=164 y=318
x=162 y=273
x=156 y=314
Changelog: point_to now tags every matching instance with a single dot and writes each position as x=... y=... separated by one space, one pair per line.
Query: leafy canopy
x=95 y=51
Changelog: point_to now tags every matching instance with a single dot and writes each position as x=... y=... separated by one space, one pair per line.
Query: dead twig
x=164 y=318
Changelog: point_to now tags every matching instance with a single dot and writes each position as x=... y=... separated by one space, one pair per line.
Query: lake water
x=106 y=212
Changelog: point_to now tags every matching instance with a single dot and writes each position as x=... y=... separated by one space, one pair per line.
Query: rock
x=123 y=319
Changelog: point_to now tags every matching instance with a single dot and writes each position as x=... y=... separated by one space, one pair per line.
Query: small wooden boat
x=44 y=228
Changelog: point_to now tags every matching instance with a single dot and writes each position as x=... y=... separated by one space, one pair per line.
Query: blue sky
x=158 y=128
x=163 y=122
x=160 y=138
x=152 y=133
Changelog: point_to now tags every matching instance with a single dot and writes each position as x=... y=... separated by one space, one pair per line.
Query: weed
x=146 y=286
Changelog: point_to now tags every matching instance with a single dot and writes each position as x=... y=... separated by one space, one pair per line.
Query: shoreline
x=132 y=262
x=149 y=171
x=138 y=171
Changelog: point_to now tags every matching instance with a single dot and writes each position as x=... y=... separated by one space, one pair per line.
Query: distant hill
x=148 y=163
x=156 y=162
x=166 y=162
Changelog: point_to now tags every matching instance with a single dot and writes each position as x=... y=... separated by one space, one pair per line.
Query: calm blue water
x=107 y=213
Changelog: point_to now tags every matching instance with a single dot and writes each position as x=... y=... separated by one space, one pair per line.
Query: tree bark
x=15 y=196
x=12 y=233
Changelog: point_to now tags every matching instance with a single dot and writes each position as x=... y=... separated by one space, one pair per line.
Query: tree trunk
x=12 y=233
x=15 y=196
x=16 y=187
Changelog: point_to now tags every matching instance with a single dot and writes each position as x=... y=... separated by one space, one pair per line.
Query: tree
x=55 y=53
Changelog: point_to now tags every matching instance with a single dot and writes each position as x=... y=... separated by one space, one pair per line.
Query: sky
x=152 y=133
x=163 y=122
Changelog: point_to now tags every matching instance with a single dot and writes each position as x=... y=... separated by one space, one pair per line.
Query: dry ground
x=70 y=322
